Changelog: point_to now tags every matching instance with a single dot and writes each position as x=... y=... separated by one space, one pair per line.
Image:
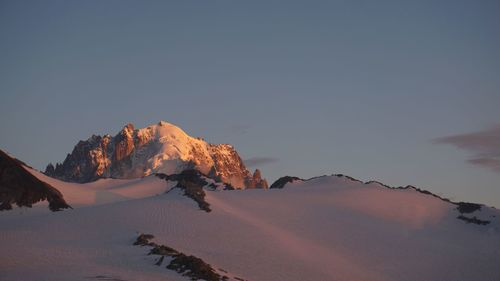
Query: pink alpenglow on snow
x=327 y=228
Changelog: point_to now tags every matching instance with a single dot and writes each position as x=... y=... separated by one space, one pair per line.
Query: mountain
x=161 y=148
x=187 y=226
x=173 y=214
x=19 y=187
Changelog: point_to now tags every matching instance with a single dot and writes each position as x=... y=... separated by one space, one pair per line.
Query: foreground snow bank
x=329 y=228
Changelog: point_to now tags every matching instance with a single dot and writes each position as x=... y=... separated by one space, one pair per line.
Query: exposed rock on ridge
x=256 y=181
x=281 y=182
x=192 y=183
x=20 y=187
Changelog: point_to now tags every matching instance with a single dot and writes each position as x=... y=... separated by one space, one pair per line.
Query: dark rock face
x=130 y=153
x=143 y=240
x=20 y=187
x=466 y=207
x=50 y=170
x=281 y=182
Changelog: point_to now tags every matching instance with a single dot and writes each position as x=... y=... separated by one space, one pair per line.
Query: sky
x=403 y=92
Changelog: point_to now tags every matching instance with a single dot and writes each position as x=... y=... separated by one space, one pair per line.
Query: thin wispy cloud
x=485 y=146
x=259 y=161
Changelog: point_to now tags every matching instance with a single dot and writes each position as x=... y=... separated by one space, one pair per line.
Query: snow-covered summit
x=158 y=148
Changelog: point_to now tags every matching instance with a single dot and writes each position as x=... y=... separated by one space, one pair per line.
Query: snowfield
x=328 y=228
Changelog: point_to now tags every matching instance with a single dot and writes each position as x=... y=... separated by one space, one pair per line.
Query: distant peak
x=160 y=147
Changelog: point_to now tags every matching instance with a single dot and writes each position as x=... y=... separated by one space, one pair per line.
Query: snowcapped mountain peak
x=158 y=148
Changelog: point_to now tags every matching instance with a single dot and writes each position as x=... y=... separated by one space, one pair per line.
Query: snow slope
x=104 y=191
x=328 y=228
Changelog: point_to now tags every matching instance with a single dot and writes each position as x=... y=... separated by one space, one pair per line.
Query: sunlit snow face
x=401 y=206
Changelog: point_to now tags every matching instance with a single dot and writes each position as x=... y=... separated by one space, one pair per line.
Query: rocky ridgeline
x=187 y=265
x=19 y=187
x=464 y=208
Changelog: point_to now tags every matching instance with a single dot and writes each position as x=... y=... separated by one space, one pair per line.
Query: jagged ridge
x=161 y=148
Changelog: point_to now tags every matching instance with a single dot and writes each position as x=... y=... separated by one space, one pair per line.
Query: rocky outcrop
x=281 y=182
x=191 y=182
x=19 y=187
x=124 y=143
x=256 y=181
x=189 y=266
x=87 y=162
x=473 y=220
x=160 y=148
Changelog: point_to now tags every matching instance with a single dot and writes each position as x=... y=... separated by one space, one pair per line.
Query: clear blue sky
x=355 y=87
